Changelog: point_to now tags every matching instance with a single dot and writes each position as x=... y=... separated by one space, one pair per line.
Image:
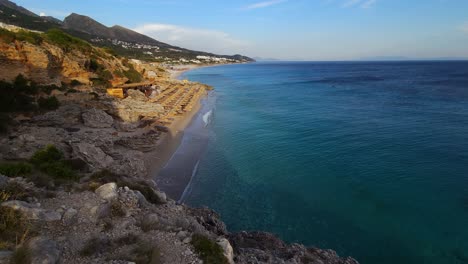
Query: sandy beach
x=170 y=141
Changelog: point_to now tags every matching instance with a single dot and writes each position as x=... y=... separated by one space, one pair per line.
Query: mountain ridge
x=123 y=41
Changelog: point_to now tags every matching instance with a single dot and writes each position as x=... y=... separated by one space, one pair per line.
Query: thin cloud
x=351 y=3
x=194 y=38
x=264 y=4
x=464 y=28
x=361 y=3
x=368 y=3
x=54 y=13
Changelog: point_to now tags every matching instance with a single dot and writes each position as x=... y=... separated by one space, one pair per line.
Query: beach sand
x=170 y=141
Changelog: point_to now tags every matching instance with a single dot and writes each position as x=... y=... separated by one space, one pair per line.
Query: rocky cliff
x=74 y=184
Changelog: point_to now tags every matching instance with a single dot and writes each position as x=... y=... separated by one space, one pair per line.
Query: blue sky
x=288 y=29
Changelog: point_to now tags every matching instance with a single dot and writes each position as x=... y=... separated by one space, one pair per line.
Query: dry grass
x=15 y=228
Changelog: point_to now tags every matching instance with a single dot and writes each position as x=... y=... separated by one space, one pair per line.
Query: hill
x=122 y=41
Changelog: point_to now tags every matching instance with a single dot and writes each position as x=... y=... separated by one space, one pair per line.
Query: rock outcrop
x=96 y=118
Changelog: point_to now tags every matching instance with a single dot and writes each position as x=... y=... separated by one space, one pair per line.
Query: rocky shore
x=74 y=175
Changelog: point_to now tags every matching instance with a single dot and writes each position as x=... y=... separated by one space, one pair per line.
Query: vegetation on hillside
x=208 y=250
x=20 y=96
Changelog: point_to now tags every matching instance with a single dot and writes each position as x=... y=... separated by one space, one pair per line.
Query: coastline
x=169 y=142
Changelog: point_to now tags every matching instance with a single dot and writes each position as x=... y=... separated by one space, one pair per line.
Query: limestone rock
x=43 y=251
x=161 y=196
x=137 y=95
x=96 y=118
x=227 y=248
x=29 y=139
x=5 y=256
x=33 y=212
x=92 y=155
x=107 y=191
x=70 y=216
x=261 y=247
x=3 y=180
x=129 y=163
x=131 y=110
x=67 y=115
x=145 y=143
x=100 y=211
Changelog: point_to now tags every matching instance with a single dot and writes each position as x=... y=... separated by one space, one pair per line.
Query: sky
x=287 y=29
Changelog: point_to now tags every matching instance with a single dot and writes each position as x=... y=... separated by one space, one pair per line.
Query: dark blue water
x=369 y=159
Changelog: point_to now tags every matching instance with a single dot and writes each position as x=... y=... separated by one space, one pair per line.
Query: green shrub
x=133 y=75
x=28 y=36
x=71 y=90
x=119 y=73
x=48 y=154
x=15 y=169
x=7 y=36
x=15 y=97
x=75 y=83
x=50 y=161
x=5 y=122
x=59 y=170
x=48 y=88
x=92 y=65
x=110 y=51
x=49 y=103
x=208 y=250
x=67 y=42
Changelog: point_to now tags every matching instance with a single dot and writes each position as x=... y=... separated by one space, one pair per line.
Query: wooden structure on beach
x=121 y=91
x=176 y=97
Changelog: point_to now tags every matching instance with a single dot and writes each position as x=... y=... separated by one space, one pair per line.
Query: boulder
x=96 y=118
x=137 y=95
x=131 y=163
x=108 y=191
x=5 y=256
x=66 y=115
x=100 y=211
x=70 y=216
x=43 y=251
x=150 y=222
x=3 y=180
x=227 y=248
x=132 y=110
x=92 y=155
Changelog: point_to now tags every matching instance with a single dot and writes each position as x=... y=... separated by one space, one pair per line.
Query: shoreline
x=170 y=141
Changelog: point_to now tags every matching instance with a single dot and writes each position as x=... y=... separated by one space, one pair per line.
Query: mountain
x=122 y=41
x=92 y=27
x=17 y=8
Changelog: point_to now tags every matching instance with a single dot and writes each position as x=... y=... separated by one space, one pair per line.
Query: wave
x=188 y=188
x=207 y=117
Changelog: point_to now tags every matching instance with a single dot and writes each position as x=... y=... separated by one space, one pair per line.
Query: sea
x=369 y=159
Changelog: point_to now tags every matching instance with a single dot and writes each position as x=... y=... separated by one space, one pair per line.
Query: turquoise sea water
x=369 y=159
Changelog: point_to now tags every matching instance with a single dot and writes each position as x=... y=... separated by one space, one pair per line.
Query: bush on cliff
x=5 y=122
x=28 y=36
x=131 y=74
x=67 y=42
x=50 y=161
x=15 y=169
x=22 y=35
x=208 y=250
x=15 y=97
x=49 y=103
